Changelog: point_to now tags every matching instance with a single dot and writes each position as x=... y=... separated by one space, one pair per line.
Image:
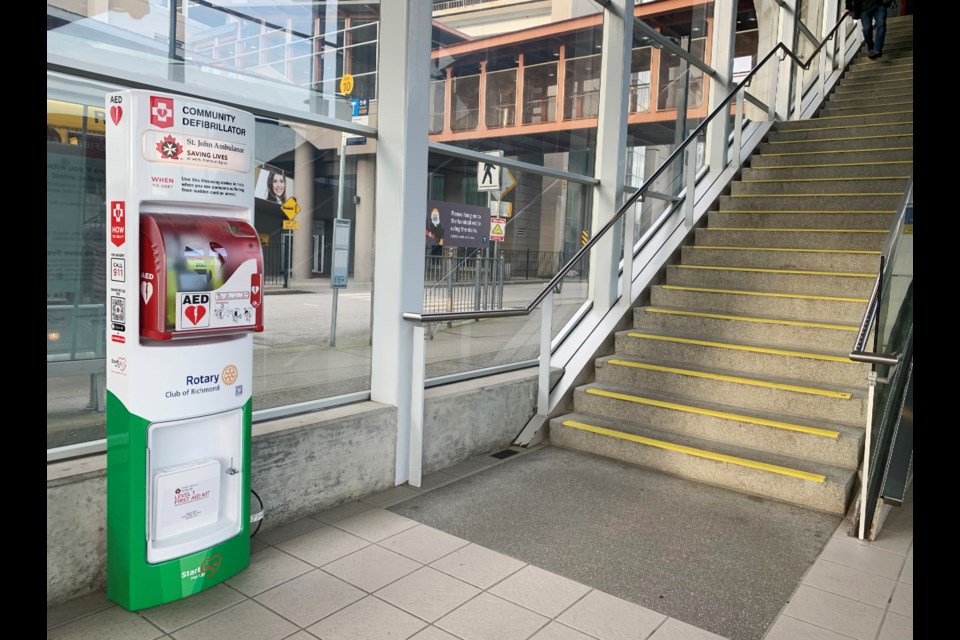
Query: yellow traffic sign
x=346 y=84
x=291 y=225
x=291 y=208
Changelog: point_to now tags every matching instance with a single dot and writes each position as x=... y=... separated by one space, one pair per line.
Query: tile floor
x=360 y=572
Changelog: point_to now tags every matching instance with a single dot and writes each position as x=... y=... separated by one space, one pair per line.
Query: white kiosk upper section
x=183 y=259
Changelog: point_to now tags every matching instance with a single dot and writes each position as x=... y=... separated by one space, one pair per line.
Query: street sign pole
x=336 y=291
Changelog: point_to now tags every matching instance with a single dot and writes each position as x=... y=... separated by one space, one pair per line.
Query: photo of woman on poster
x=276 y=188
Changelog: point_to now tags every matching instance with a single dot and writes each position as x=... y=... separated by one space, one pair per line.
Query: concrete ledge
x=300 y=465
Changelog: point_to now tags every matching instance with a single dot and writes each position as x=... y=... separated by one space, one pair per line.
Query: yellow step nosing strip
x=874 y=83
x=866 y=115
x=869 y=113
x=700 y=453
x=856 y=251
x=737 y=380
x=841 y=91
x=837 y=164
x=826 y=433
x=892 y=135
x=770 y=294
x=810 y=153
x=798 y=230
x=814 y=211
x=816 y=195
x=741 y=347
x=796 y=272
x=827 y=179
x=720 y=316
x=849 y=126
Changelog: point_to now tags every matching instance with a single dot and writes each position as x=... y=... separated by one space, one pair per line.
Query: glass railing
x=888 y=328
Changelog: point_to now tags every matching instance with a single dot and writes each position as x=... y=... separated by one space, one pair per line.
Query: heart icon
x=211 y=564
x=146 y=291
x=255 y=289
x=116 y=112
x=195 y=313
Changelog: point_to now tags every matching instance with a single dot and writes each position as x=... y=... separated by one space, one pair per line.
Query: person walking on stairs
x=871 y=13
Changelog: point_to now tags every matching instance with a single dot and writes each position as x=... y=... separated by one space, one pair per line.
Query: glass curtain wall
x=677 y=99
x=493 y=239
x=270 y=51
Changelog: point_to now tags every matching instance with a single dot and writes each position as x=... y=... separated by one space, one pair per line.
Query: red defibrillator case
x=199 y=276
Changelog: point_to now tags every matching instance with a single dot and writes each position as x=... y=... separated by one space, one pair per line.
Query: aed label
x=195 y=310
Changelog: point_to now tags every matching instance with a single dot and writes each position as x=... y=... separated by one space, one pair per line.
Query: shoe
x=873 y=55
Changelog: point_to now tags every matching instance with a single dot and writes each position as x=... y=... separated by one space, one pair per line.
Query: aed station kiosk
x=184 y=271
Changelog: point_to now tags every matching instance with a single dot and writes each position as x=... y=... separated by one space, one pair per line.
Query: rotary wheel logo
x=169 y=148
x=229 y=374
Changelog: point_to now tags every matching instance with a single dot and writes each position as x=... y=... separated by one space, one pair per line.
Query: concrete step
x=834 y=310
x=785 y=185
x=853 y=120
x=775 y=258
x=814 y=486
x=891 y=71
x=832 y=283
x=893 y=100
x=846 y=239
x=819 y=440
x=741 y=355
x=882 y=201
x=790 y=396
x=836 y=171
x=860 y=93
x=839 y=144
x=892 y=85
x=821 y=220
x=830 y=130
x=852 y=156
x=711 y=325
x=864 y=107
x=889 y=57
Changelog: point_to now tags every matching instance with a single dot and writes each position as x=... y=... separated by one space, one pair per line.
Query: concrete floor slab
x=717 y=559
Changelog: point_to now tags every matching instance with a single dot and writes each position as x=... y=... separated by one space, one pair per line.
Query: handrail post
x=772 y=103
x=737 y=128
x=416 y=406
x=543 y=384
x=865 y=480
x=691 y=183
x=798 y=93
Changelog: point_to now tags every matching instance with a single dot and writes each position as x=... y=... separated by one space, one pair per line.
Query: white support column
x=303 y=167
x=787 y=34
x=828 y=59
x=611 y=149
x=721 y=59
x=401 y=208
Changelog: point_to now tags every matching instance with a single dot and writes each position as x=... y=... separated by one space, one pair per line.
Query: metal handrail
x=859 y=354
x=555 y=281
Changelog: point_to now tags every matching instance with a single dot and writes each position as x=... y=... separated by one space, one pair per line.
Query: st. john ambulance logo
x=169 y=148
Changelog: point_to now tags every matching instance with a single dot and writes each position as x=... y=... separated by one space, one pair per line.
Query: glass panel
x=501 y=99
x=678 y=76
x=295 y=359
x=581 y=89
x=540 y=93
x=811 y=14
x=543 y=219
x=465 y=110
x=290 y=55
x=437 y=88
x=639 y=99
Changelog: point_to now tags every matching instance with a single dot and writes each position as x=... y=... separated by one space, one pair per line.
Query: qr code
x=117 y=310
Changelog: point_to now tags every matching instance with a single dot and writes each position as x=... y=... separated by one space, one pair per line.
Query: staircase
x=737 y=374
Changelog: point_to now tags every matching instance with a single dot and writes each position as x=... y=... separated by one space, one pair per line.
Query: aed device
x=198 y=275
x=184 y=298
